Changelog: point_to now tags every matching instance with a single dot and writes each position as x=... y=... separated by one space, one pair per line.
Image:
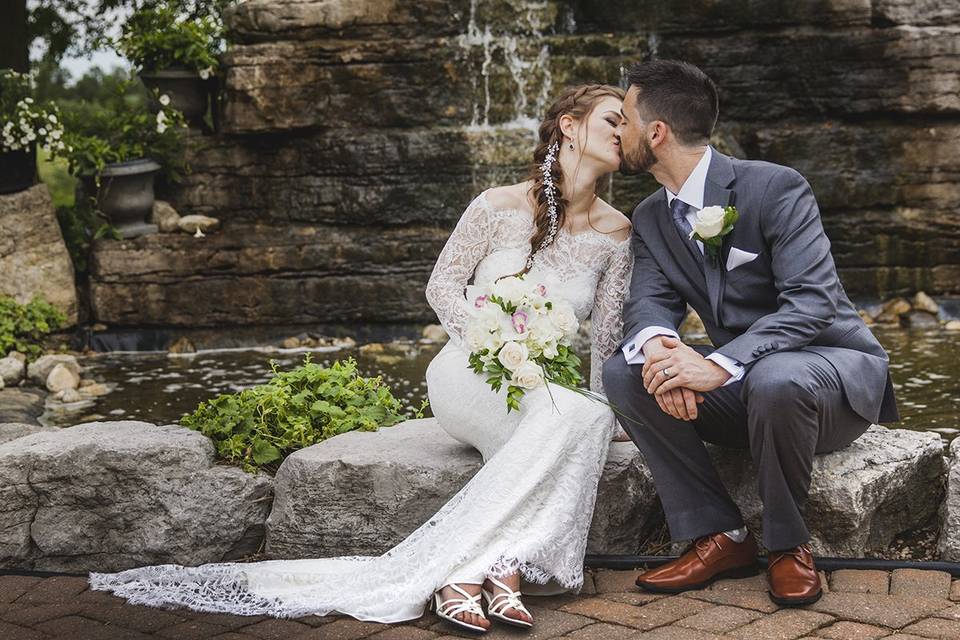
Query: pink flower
x=480 y=301
x=520 y=319
x=542 y=290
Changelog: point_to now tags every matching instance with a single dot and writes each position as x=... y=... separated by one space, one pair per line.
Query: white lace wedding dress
x=528 y=508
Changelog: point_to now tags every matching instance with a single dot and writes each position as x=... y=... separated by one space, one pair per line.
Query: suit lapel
x=715 y=192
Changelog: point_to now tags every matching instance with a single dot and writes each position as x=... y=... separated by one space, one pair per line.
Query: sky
x=106 y=60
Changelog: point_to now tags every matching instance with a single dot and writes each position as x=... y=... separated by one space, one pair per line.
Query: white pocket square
x=738 y=257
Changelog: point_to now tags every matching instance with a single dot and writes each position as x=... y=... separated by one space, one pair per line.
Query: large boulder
x=33 y=256
x=13 y=430
x=949 y=545
x=114 y=495
x=12 y=370
x=361 y=493
x=887 y=482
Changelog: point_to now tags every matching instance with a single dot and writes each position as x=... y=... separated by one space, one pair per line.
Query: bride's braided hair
x=578 y=102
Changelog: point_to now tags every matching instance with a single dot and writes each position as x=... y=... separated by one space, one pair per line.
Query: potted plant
x=25 y=125
x=175 y=49
x=117 y=150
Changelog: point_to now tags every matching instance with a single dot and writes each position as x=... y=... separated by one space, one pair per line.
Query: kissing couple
x=793 y=371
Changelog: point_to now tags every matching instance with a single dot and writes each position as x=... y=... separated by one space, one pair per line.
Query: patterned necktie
x=679 y=209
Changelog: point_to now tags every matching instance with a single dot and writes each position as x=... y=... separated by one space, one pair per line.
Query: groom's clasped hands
x=677 y=375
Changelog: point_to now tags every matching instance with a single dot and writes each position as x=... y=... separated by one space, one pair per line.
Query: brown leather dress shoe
x=793 y=577
x=709 y=558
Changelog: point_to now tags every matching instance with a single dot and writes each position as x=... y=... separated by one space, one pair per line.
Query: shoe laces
x=799 y=553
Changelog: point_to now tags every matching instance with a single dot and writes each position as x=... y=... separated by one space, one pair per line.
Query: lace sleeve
x=465 y=248
x=607 y=316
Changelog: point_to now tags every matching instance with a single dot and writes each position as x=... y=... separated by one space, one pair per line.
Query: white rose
x=564 y=319
x=511 y=289
x=527 y=376
x=512 y=355
x=709 y=222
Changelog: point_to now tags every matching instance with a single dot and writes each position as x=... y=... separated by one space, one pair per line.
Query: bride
x=527 y=511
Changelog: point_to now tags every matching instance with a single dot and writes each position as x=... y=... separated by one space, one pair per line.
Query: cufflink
x=633 y=347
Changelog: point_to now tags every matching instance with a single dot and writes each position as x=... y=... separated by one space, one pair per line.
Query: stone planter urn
x=189 y=93
x=126 y=196
x=18 y=170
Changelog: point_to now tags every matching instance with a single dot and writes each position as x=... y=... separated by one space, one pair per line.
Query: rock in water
x=923 y=302
x=952 y=325
x=165 y=217
x=886 y=482
x=108 y=496
x=360 y=493
x=33 y=256
x=191 y=223
x=919 y=320
x=40 y=368
x=13 y=430
x=12 y=370
x=892 y=310
x=62 y=378
x=182 y=345
x=21 y=405
x=434 y=333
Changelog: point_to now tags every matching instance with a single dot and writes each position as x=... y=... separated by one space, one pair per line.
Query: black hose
x=634 y=562
x=827 y=564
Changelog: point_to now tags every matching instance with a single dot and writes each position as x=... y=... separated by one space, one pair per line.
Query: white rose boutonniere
x=711 y=225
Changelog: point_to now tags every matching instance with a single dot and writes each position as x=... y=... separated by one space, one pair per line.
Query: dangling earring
x=571 y=146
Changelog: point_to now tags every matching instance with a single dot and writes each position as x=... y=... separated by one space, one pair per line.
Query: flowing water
x=157 y=387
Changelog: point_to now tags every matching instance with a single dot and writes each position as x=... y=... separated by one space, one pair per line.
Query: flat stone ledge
x=107 y=496
x=360 y=493
x=886 y=482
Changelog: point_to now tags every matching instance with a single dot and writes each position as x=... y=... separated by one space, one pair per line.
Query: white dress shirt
x=691 y=193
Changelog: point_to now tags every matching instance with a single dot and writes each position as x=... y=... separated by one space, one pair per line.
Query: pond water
x=160 y=387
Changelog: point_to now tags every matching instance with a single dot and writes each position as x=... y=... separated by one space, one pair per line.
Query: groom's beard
x=639 y=161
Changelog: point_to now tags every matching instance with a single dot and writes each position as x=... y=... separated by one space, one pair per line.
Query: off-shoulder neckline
x=526 y=214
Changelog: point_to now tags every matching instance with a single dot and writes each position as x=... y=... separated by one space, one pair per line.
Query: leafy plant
x=260 y=427
x=123 y=128
x=162 y=37
x=23 y=326
x=26 y=122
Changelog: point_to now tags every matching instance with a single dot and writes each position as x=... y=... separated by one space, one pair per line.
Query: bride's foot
x=456 y=605
x=503 y=601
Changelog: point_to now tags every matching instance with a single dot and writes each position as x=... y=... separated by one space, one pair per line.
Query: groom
x=794 y=370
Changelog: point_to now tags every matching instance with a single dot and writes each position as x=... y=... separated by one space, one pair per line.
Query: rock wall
x=362 y=128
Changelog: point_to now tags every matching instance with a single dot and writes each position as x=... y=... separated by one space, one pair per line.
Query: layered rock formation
x=370 y=124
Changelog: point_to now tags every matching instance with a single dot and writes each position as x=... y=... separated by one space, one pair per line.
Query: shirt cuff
x=633 y=350
x=734 y=368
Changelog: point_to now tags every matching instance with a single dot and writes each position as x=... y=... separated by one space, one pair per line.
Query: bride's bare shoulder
x=612 y=221
x=513 y=196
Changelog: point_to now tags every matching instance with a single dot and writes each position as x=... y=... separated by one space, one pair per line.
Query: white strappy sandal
x=455 y=606
x=497 y=604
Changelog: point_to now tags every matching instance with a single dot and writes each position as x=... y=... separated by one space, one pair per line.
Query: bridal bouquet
x=519 y=336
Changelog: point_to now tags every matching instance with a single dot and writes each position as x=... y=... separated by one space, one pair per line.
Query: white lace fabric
x=529 y=507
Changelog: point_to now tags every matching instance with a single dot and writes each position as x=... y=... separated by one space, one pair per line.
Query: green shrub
x=23 y=326
x=260 y=427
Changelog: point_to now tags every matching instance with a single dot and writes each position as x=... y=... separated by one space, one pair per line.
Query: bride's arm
x=607 y=316
x=465 y=248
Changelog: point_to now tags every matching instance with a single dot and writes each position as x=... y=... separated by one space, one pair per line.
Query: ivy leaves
x=260 y=427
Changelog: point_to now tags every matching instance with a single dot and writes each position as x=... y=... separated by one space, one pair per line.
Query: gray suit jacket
x=788 y=298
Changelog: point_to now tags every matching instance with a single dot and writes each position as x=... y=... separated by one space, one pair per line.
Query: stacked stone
x=355 y=133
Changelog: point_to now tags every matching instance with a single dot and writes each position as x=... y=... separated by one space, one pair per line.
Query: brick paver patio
x=903 y=604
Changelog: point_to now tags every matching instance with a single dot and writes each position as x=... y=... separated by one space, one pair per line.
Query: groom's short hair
x=678 y=93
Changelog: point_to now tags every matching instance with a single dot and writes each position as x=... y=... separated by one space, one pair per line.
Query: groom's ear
x=659 y=132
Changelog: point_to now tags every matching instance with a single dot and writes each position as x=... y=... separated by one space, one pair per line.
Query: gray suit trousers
x=789 y=406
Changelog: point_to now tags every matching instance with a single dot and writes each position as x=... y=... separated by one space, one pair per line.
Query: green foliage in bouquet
x=562 y=370
x=23 y=326
x=260 y=427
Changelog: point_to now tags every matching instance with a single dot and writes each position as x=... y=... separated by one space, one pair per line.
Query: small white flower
x=42 y=131
x=205 y=73
x=527 y=376
x=512 y=355
x=709 y=222
x=161 y=127
x=56 y=134
x=164 y=100
x=52 y=118
x=28 y=100
x=161 y=116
